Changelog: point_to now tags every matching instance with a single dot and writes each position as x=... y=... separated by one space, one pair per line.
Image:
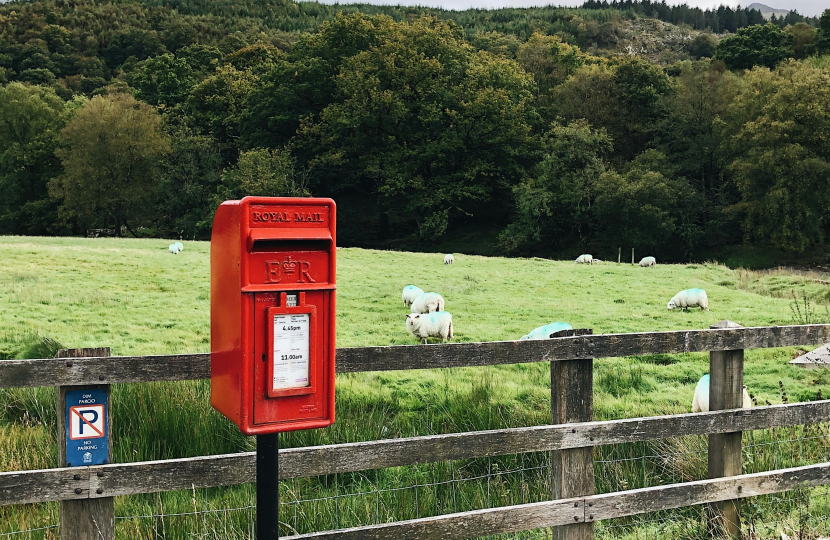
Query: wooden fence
x=574 y=506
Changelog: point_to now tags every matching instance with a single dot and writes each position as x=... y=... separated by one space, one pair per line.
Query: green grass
x=135 y=297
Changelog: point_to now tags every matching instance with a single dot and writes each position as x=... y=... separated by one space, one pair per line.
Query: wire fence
x=386 y=495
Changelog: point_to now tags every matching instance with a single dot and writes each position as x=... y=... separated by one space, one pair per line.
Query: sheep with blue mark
x=700 y=403
x=437 y=324
x=689 y=298
x=410 y=293
x=544 y=332
x=427 y=303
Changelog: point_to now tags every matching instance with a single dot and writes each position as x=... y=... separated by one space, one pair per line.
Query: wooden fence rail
x=179 y=367
x=571 y=438
x=232 y=469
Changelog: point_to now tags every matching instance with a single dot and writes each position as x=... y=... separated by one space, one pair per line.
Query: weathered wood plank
x=596 y=507
x=471 y=524
x=572 y=470
x=233 y=469
x=172 y=475
x=640 y=501
x=360 y=456
x=43 y=485
x=179 y=367
x=726 y=370
x=110 y=370
x=83 y=519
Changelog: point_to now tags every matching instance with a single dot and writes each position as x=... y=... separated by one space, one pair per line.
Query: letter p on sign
x=87 y=422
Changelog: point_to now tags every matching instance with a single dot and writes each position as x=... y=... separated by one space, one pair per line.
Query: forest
x=520 y=131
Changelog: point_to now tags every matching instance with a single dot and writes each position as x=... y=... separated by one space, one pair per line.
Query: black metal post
x=267 y=487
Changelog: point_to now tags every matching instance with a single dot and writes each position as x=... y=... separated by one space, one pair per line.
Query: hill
x=767 y=11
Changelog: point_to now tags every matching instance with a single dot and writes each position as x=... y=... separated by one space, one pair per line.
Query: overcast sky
x=805 y=7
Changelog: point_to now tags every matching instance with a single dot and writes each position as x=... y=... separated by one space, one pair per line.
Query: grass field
x=135 y=297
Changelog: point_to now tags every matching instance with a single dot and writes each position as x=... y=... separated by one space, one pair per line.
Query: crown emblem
x=289 y=266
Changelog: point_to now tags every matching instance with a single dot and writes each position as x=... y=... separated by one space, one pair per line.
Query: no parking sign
x=87 y=439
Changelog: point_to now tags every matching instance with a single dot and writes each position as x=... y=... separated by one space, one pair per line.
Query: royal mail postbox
x=272 y=311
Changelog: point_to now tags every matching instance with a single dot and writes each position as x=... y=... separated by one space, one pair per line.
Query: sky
x=805 y=7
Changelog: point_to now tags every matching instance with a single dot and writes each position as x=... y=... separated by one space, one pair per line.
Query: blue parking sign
x=87 y=437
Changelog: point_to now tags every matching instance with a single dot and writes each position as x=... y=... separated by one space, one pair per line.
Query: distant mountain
x=767 y=11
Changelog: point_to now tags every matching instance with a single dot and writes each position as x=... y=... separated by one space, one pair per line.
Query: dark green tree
x=759 y=45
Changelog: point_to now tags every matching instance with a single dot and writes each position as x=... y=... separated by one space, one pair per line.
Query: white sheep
x=427 y=325
x=179 y=246
x=584 y=259
x=544 y=332
x=173 y=248
x=410 y=293
x=427 y=303
x=648 y=261
x=700 y=403
x=448 y=258
x=689 y=298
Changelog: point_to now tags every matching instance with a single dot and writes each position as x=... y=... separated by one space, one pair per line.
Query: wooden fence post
x=726 y=380
x=84 y=519
x=572 y=471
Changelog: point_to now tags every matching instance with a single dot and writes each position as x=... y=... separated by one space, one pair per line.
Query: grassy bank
x=138 y=299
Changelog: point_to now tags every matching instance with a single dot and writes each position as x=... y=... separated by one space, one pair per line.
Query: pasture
x=135 y=297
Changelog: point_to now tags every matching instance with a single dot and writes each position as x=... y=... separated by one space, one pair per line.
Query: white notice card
x=291 y=351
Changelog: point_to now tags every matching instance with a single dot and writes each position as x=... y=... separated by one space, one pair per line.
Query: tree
x=264 y=172
x=702 y=46
x=642 y=206
x=625 y=99
x=162 y=80
x=550 y=61
x=110 y=155
x=759 y=45
x=822 y=38
x=31 y=118
x=553 y=205
x=777 y=133
x=435 y=128
x=803 y=39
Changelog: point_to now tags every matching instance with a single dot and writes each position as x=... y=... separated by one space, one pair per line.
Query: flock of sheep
x=175 y=248
x=429 y=320
x=683 y=300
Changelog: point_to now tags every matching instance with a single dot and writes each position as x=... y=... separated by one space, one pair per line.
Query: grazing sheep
x=689 y=298
x=410 y=293
x=448 y=258
x=173 y=248
x=584 y=259
x=648 y=261
x=427 y=325
x=179 y=246
x=427 y=303
x=700 y=403
x=544 y=332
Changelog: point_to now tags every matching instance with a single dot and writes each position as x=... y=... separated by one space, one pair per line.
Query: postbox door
x=294 y=402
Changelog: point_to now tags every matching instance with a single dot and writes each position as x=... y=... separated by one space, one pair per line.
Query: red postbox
x=272 y=313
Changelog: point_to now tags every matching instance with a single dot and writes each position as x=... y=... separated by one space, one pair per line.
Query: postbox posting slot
x=291 y=353
x=269 y=239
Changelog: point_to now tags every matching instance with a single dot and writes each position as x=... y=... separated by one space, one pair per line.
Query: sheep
x=173 y=248
x=179 y=245
x=427 y=325
x=448 y=258
x=427 y=303
x=544 y=332
x=410 y=293
x=689 y=298
x=584 y=259
x=700 y=403
x=648 y=261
